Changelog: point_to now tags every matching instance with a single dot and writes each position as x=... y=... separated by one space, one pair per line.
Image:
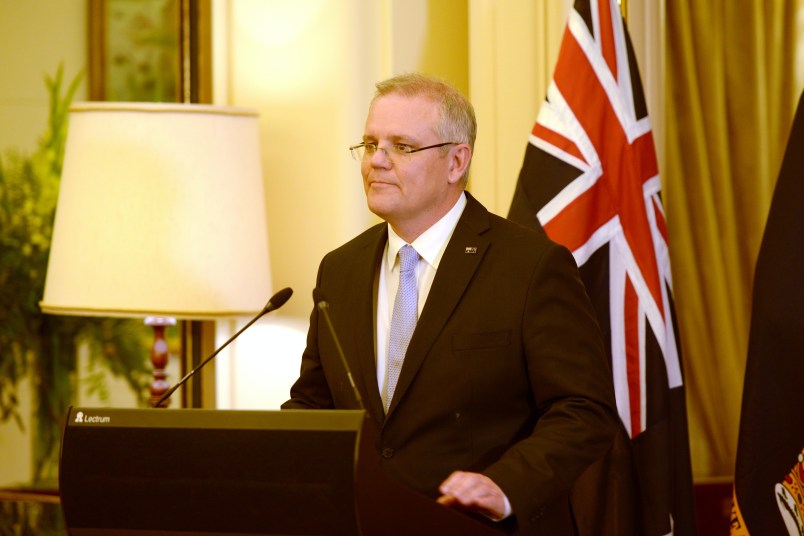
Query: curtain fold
x=732 y=89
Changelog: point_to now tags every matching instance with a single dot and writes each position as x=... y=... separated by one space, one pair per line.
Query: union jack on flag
x=590 y=178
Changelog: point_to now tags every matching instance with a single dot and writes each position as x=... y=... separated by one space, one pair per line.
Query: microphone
x=276 y=301
x=323 y=306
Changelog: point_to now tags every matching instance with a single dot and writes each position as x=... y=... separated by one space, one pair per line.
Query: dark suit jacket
x=505 y=375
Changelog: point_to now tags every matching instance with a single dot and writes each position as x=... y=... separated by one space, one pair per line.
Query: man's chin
x=379 y=203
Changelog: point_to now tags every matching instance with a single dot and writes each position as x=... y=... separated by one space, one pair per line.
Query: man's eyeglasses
x=394 y=153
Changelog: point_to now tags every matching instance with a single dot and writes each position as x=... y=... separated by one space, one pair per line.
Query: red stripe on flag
x=554 y=138
x=578 y=221
x=606 y=38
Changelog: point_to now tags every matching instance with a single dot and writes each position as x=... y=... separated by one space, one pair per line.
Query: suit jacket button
x=387 y=452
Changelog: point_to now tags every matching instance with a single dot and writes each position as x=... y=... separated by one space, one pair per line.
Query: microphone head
x=278 y=299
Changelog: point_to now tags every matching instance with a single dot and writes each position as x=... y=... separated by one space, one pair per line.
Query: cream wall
x=307 y=68
x=35 y=37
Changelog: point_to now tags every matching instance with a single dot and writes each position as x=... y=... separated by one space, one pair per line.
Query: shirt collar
x=430 y=244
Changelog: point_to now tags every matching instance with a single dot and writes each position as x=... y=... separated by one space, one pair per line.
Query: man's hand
x=475 y=492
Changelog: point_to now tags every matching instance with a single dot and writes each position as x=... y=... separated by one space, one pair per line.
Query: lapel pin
x=470 y=250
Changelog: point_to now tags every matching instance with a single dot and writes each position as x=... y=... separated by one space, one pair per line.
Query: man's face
x=411 y=193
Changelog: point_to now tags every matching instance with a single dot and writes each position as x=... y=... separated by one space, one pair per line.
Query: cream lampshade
x=161 y=213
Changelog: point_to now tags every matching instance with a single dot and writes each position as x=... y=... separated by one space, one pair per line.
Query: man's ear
x=459 y=158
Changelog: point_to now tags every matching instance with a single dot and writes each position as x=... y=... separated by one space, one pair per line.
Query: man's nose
x=380 y=158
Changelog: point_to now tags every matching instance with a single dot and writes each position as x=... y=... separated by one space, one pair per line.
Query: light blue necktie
x=403 y=318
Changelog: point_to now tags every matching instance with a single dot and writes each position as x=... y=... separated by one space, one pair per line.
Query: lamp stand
x=159 y=358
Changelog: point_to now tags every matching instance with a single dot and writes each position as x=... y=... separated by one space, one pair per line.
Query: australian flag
x=590 y=179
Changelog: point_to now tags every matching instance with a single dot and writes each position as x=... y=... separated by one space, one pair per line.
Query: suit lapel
x=460 y=261
x=364 y=316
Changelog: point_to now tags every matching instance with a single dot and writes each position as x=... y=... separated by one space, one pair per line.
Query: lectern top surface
x=333 y=420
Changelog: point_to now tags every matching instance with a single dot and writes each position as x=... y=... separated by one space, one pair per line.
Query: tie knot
x=408 y=257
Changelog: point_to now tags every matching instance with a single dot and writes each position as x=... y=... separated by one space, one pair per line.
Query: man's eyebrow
x=394 y=138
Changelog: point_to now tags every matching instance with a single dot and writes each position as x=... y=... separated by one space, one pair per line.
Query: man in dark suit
x=501 y=396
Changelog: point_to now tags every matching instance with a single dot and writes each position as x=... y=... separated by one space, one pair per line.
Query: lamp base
x=159 y=358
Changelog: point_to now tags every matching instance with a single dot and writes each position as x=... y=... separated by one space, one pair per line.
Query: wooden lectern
x=127 y=472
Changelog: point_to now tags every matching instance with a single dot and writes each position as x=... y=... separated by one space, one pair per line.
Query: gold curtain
x=731 y=94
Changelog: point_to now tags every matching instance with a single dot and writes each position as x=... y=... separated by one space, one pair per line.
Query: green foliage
x=31 y=519
x=32 y=344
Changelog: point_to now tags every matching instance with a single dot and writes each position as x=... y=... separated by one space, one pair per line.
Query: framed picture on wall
x=135 y=50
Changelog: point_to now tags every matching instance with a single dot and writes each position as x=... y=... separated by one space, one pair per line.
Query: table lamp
x=161 y=215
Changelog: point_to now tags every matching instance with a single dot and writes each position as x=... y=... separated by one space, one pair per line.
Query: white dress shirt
x=430 y=245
